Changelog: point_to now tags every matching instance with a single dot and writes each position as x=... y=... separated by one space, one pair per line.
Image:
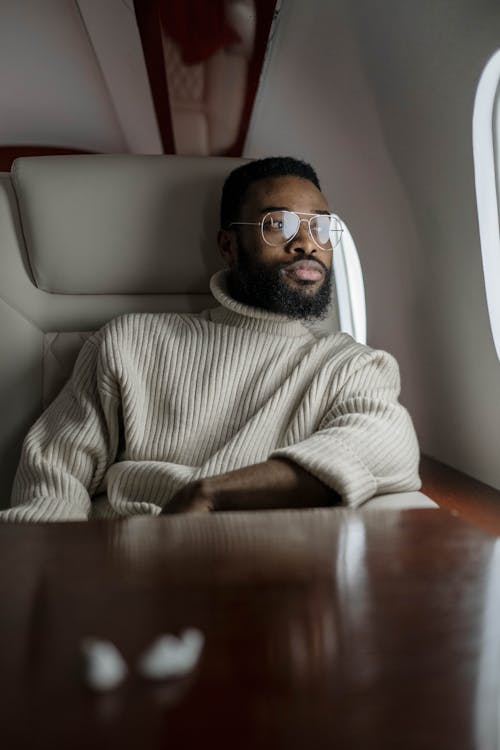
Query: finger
x=200 y=506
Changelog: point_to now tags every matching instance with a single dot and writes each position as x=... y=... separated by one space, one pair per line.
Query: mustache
x=288 y=263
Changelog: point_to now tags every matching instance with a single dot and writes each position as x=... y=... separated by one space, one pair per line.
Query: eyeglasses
x=279 y=227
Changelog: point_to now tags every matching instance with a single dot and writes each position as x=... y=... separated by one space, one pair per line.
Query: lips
x=305 y=270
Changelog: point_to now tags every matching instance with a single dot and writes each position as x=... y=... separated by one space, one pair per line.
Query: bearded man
x=242 y=406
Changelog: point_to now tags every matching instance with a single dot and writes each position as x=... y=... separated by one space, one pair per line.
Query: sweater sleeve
x=365 y=444
x=67 y=451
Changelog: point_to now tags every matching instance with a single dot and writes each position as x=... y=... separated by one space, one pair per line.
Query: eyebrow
x=267 y=209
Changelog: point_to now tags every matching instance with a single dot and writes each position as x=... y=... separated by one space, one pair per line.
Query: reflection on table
x=324 y=628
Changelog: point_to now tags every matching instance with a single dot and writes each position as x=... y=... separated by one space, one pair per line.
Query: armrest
x=399 y=501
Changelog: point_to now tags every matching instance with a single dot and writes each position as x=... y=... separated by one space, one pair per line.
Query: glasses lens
x=326 y=230
x=279 y=227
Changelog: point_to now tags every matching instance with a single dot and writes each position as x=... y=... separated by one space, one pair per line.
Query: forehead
x=294 y=193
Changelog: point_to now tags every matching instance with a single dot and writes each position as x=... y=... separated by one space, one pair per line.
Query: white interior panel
x=51 y=88
x=314 y=102
x=115 y=38
x=379 y=97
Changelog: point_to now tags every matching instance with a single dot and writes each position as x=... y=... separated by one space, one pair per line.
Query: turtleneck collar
x=237 y=313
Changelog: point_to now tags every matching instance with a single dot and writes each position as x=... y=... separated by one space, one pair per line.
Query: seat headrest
x=121 y=224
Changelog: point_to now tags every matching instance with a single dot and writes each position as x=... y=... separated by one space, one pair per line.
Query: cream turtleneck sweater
x=158 y=400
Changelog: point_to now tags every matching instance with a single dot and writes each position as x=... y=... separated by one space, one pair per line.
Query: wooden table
x=324 y=629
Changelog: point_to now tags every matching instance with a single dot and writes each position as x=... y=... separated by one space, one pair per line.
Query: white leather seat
x=86 y=238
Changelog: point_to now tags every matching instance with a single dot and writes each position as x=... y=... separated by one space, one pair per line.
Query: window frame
x=486 y=154
x=349 y=287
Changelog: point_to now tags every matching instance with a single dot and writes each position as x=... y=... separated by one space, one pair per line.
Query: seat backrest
x=86 y=238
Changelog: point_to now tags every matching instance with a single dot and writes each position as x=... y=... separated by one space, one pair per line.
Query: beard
x=262 y=285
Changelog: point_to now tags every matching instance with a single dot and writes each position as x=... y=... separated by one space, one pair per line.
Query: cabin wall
x=379 y=97
x=52 y=91
x=63 y=81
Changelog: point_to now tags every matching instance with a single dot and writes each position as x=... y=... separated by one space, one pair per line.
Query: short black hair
x=239 y=180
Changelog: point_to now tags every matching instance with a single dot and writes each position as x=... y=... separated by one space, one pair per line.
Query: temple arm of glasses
x=258 y=223
x=248 y=223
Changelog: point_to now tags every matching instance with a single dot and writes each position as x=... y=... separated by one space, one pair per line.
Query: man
x=239 y=407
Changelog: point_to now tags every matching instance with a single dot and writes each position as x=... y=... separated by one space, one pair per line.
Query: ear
x=226 y=241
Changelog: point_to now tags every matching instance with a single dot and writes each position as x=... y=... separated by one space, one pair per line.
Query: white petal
x=104 y=667
x=171 y=657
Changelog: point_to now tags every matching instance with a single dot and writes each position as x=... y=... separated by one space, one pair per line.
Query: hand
x=271 y=485
x=195 y=497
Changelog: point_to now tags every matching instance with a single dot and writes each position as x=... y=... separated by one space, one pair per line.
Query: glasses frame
x=298 y=214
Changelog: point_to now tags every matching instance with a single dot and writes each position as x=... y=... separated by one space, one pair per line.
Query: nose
x=302 y=243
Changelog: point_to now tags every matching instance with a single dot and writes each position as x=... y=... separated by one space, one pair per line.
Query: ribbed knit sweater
x=158 y=400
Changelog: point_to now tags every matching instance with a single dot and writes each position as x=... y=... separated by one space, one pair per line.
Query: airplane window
x=349 y=287
x=486 y=149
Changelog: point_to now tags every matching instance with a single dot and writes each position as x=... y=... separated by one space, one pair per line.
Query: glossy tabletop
x=324 y=629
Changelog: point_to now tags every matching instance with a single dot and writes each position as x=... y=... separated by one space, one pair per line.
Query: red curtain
x=199 y=27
